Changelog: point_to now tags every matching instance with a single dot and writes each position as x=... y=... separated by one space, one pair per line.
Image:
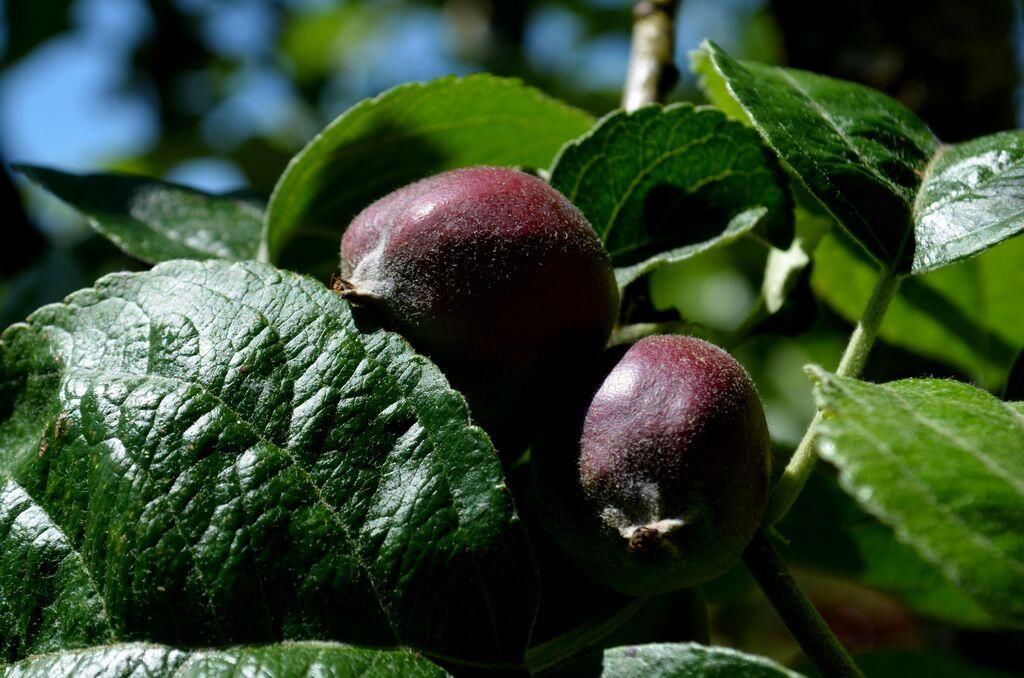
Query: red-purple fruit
x=490 y=272
x=668 y=479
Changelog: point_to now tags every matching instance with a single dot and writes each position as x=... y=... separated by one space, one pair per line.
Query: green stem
x=803 y=621
x=854 y=358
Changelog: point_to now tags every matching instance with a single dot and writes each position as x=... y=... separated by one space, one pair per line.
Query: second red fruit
x=664 y=481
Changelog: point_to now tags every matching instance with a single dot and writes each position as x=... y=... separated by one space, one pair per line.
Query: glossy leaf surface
x=210 y=453
x=912 y=202
x=295 y=660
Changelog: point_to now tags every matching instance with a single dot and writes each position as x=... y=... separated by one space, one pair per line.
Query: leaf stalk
x=802 y=463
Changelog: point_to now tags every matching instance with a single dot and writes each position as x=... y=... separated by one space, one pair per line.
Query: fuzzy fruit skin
x=490 y=272
x=668 y=479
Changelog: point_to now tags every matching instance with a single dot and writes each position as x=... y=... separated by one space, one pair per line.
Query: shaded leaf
x=156 y=221
x=911 y=202
x=967 y=315
x=940 y=462
x=294 y=659
x=210 y=453
x=403 y=135
x=662 y=660
x=662 y=184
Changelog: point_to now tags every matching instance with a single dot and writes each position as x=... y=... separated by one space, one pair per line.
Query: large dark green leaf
x=155 y=221
x=940 y=462
x=212 y=453
x=662 y=184
x=293 y=660
x=968 y=315
x=828 y=532
x=912 y=202
x=667 y=660
x=405 y=134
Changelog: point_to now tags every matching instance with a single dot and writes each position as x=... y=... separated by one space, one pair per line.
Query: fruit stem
x=798 y=613
x=652 y=68
x=800 y=465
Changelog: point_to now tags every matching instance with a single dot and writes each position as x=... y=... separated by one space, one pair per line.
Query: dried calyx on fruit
x=664 y=481
x=490 y=272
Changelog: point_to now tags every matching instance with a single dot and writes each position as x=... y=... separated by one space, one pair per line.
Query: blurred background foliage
x=218 y=94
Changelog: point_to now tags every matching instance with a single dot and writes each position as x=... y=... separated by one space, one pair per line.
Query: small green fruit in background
x=664 y=481
x=490 y=272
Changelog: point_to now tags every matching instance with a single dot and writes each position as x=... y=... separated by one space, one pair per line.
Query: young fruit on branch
x=668 y=477
x=490 y=272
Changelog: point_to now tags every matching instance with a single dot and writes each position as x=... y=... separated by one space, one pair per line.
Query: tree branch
x=652 y=66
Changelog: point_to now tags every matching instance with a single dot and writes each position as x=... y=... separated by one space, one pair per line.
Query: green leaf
x=155 y=221
x=212 y=453
x=828 y=532
x=938 y=461
x=972 y=198
x=967 y=315
x=292 y=659
x=662 y=184
x=712 y=84
x=912 y=202
x=403 y=135
x=664 y=660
